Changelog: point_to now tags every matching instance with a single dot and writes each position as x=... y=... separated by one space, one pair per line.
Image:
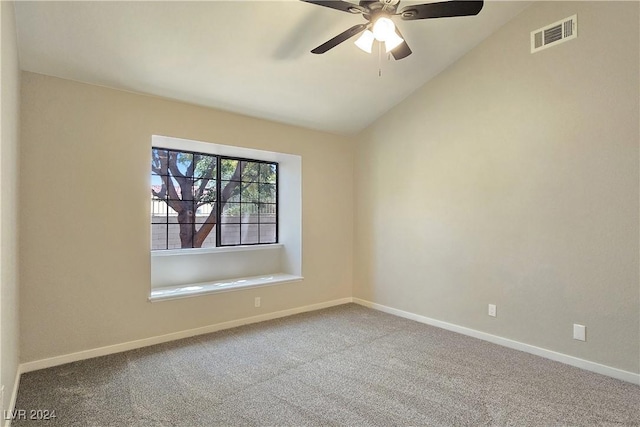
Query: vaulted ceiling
x=249 y=57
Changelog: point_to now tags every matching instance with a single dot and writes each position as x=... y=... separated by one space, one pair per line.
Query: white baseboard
x=14 y=396
x=516 y=345
x=145 y=342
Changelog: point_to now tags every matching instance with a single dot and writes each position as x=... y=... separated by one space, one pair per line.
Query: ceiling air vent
x=554 y=34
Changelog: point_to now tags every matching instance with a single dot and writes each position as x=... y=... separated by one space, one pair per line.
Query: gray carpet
x=346 y=365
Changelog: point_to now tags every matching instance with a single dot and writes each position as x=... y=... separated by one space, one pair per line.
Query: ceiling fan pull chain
x=379 y=59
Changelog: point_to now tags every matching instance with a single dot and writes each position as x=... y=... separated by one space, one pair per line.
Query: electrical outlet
x=257 y=302
x=579 y=332
x=492 y=310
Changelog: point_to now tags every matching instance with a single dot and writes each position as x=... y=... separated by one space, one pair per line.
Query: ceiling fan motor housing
x=389 y=6
x=377 y=8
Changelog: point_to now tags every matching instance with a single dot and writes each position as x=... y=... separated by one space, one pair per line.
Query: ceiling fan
x=380 y=27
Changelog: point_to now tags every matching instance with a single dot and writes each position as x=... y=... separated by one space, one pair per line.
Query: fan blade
x=340 y=38
x=445 y=9
x=402 y=50
x=339 y=5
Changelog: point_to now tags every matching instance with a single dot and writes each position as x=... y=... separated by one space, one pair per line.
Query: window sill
x=221 y=249
x=204 y=288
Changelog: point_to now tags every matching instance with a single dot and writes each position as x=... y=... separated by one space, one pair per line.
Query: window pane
x=250 y=192
x=158 y=236
x=250 y=213
x=267 y=233
x=171 y=213
x=156 y=187
x=268 y=172
x=179 y=194
x=231 y=213
x=250 y=171
x=227 y=168
x=231 y=190
x=230 y=234
x=173 y=189
x=204 y=190
x=206 y=214
x=158 y=211
x=205 y=166
x=249 y=234
x=189 y=214
x=187 y=208
x=210 y=240
x=156 y=179
x=158 y=161
x=174 y=241
x=267 y=212
x=183 y=162
x=268 y=193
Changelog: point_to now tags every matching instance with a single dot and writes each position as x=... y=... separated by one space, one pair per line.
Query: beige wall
x=9 y=125
x=513 y=179
x=85 y=233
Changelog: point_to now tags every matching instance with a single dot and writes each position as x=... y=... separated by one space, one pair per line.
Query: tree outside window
x=203 y=200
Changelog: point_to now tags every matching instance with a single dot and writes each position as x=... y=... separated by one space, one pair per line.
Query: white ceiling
x=249 y=57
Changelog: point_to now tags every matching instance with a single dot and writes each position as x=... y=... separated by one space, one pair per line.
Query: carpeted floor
x=346 y=365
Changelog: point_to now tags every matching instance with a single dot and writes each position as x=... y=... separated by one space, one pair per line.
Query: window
x=201 y=200
x=177 y=272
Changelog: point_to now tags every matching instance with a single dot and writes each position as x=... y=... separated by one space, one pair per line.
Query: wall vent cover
x=554 y=34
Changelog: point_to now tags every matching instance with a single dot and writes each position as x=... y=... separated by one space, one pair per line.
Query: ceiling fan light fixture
x=365 y=41
x=378 y=13
x=383 y=28
x=393 y=41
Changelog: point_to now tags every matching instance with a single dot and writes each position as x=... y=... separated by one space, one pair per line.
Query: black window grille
x=201 y=200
